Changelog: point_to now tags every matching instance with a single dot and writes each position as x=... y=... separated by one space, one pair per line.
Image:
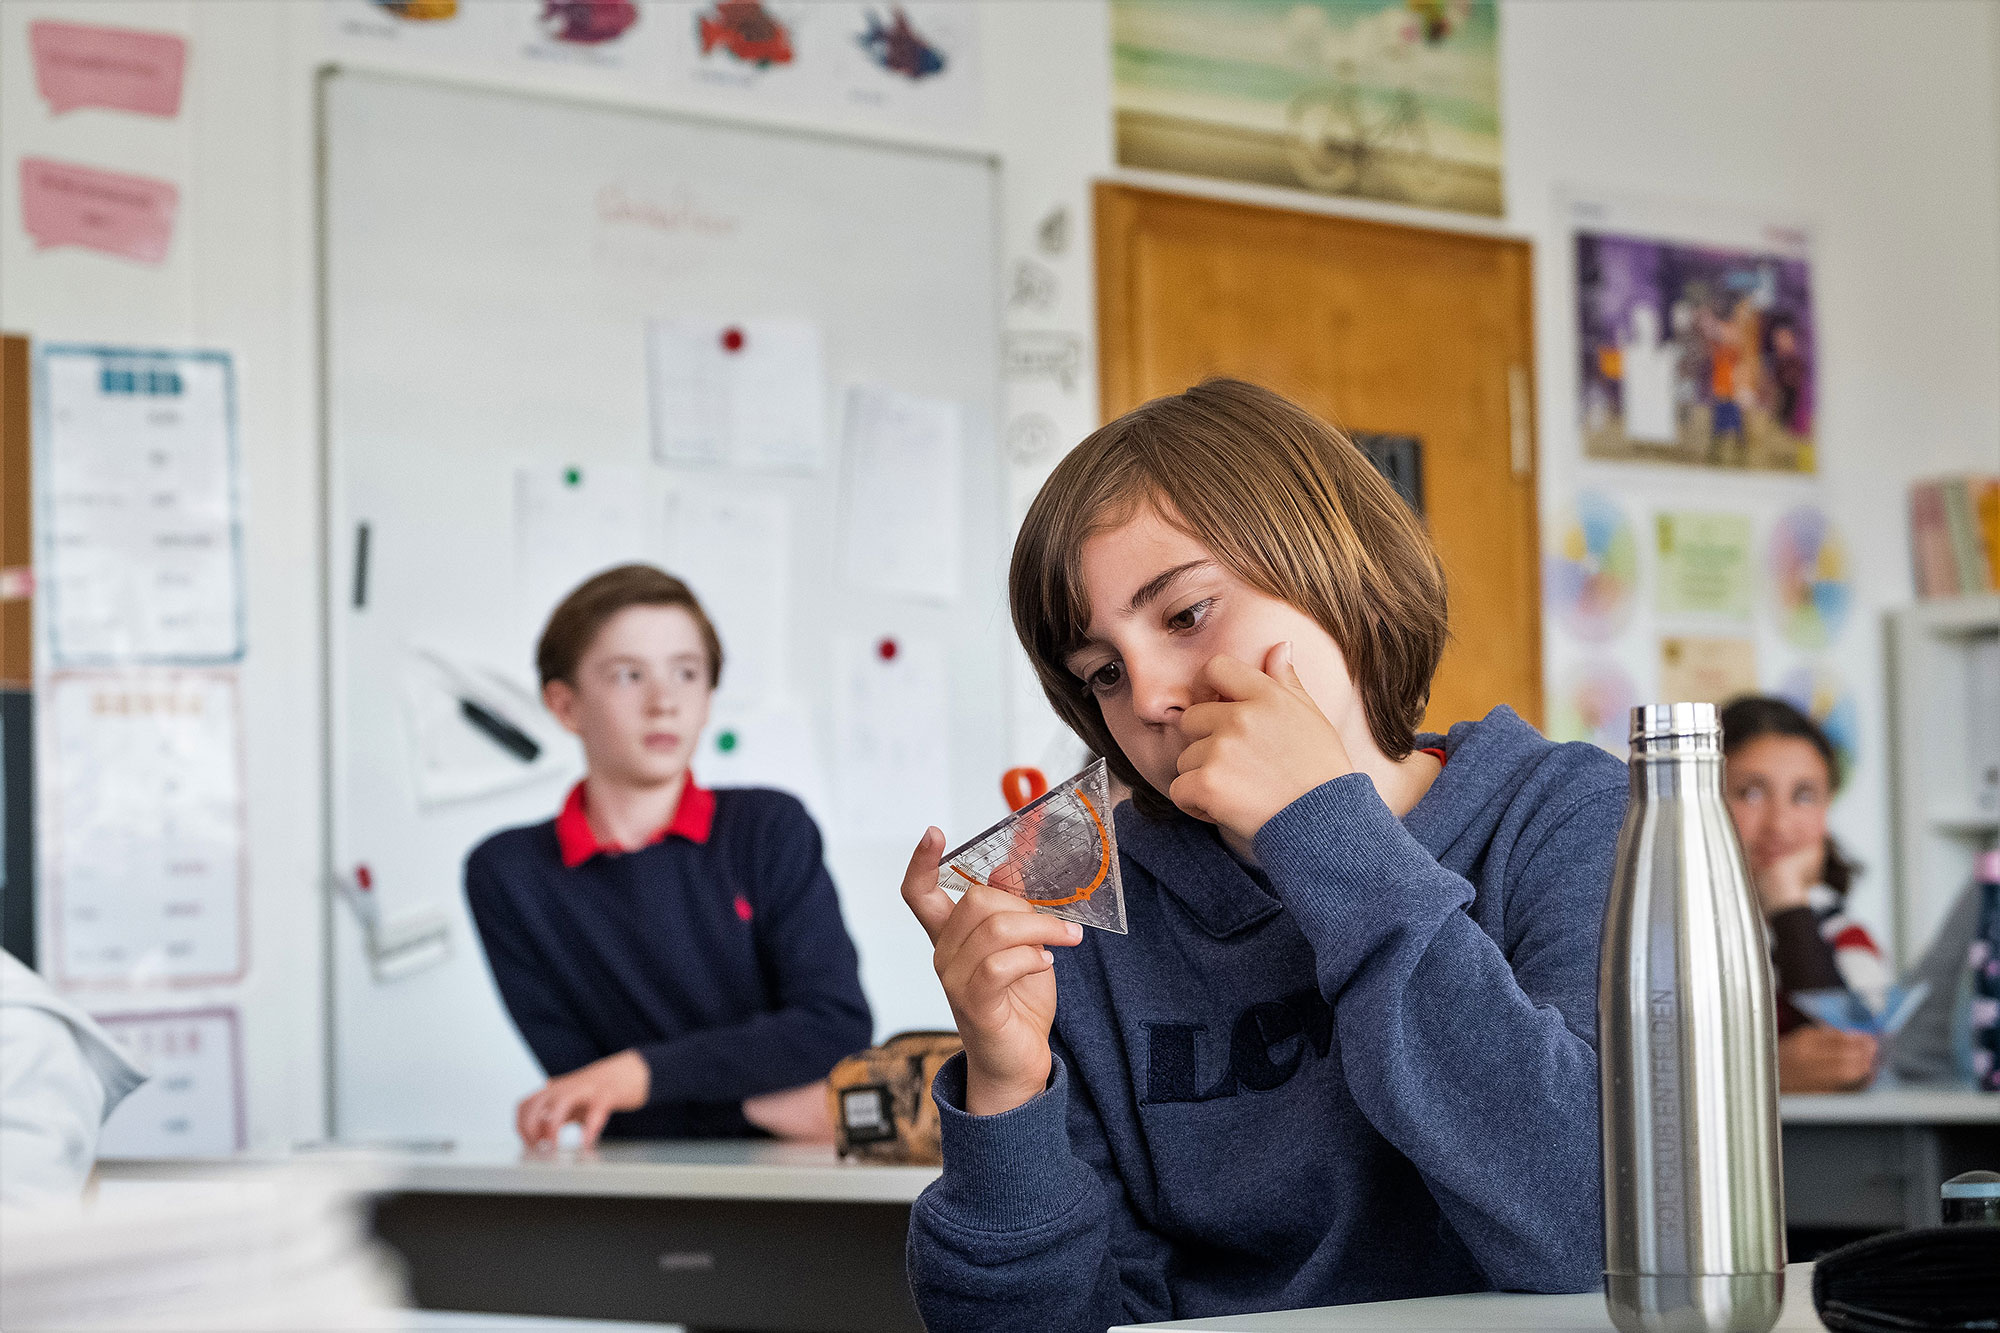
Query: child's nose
x=1158 y=695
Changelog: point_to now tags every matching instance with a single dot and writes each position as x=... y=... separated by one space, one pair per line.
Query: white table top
x=1892 y=1105
x=1464 y=1314
x=692 y=1169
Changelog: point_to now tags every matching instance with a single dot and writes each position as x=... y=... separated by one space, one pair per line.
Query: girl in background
x=1780 y=778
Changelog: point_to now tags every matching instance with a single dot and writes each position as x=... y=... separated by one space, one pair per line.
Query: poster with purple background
x=1695 y=354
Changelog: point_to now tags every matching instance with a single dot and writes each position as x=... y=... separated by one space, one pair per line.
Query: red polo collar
x=693 y=818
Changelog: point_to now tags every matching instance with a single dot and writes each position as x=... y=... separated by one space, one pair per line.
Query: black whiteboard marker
x=500 y=731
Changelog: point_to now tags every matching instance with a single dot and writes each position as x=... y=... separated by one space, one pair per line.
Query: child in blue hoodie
x=1347 y=1051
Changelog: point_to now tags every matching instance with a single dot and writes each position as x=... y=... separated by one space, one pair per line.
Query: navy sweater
x=1365 y=1072
x=648 y=950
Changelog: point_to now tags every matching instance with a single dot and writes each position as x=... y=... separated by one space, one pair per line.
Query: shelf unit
x=1944 y=718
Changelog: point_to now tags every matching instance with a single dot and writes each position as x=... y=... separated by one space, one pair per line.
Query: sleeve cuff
x=1006 y=1172
x=1350 y=873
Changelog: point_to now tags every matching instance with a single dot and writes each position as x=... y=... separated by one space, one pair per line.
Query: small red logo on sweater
x=743 y=912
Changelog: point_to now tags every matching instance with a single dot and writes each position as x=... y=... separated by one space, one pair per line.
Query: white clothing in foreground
x=60 y=1077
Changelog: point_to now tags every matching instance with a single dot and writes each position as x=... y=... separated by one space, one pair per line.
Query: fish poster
x=584 y=32
x=1695 y=339
x=1396 y=100
x=914 y=63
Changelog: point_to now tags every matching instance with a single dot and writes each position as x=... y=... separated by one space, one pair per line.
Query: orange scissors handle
x=1022 y=785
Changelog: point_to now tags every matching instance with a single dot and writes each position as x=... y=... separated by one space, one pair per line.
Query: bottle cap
x=1659 y=722
x=1972 y=1197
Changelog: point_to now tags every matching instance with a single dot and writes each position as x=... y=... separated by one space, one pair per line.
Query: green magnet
x=726 y=741
x=572 y=476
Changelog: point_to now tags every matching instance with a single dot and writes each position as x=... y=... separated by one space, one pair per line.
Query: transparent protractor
x=1045 y=863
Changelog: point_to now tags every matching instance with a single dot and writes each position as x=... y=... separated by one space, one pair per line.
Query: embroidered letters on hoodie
x=1266 y=1046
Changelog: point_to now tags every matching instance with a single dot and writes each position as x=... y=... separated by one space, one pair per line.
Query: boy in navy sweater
x=1346 y=1052
x=673 y=956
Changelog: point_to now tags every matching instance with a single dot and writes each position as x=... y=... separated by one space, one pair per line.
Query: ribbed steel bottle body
x=1693 y=1182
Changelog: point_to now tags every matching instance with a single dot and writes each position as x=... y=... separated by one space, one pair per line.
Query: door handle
x=1520 y=438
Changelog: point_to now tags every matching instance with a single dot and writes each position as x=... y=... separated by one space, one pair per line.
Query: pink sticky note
x=102 y=210
x=78 y=65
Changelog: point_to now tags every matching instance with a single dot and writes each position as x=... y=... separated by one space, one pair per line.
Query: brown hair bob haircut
x=576 y=620
x=1286 y=502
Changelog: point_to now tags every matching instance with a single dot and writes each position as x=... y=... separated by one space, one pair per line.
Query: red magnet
x=732 y=339
x=363 y=878
x=886 y=650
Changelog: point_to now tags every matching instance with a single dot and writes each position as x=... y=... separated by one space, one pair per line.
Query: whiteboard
x=490 y=261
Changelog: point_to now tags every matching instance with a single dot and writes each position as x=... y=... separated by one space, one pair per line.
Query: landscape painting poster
x=1397 y=100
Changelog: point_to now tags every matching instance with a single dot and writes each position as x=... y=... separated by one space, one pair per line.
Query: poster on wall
x=1704 y=563
x=916 y=64
x=1590 y=577
x=140 y=526
x=583 y=32
x=1396 y=100
x=191 y=1104
x=1594 y=703
x=1821 y=695
x=1809 y=583
x=143 y=847
x=1707 y=669
x=1695 y=338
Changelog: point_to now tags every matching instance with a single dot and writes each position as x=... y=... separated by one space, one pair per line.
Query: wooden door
x=1381 y=329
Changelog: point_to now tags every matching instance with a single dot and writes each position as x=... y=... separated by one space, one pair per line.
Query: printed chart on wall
x=139 y=513
x=1385 y=99
x=143 y=859
x=191 y=1104
x=1695 y=337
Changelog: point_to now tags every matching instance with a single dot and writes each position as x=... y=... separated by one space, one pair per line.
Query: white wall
x=1876 y=121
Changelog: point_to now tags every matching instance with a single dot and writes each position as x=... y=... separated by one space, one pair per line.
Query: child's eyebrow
x=1156 y=585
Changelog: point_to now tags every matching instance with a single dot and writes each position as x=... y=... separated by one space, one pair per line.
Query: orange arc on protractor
x=1103 y=865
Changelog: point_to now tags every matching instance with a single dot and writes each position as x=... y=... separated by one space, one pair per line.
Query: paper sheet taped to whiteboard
x=735 y=552
x=476 y=730
x=572 y=522
x=746 y=393
x=891 y=719
x=904 y=520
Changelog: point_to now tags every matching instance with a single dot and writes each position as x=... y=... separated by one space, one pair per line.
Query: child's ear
x=559 y=697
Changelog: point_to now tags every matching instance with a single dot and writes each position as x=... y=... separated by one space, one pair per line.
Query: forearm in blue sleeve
x=1015 y=1235
x=1484 y=1077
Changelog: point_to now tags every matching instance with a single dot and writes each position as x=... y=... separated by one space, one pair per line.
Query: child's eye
x=1190 y=617
x=1105 y=679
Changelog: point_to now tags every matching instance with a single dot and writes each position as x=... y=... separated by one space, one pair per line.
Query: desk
x=1874 y=1160
x=718 y=1234
x=1478 y=1311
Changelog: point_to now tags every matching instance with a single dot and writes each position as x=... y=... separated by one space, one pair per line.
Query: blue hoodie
x=1364 y=1072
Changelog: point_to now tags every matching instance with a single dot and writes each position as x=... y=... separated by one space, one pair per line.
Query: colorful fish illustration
x=746 y=30
x=897 y=48
x=420 y=11
x=587 y=22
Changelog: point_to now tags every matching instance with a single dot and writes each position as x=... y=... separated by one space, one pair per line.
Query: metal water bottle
x=1694 y=1209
